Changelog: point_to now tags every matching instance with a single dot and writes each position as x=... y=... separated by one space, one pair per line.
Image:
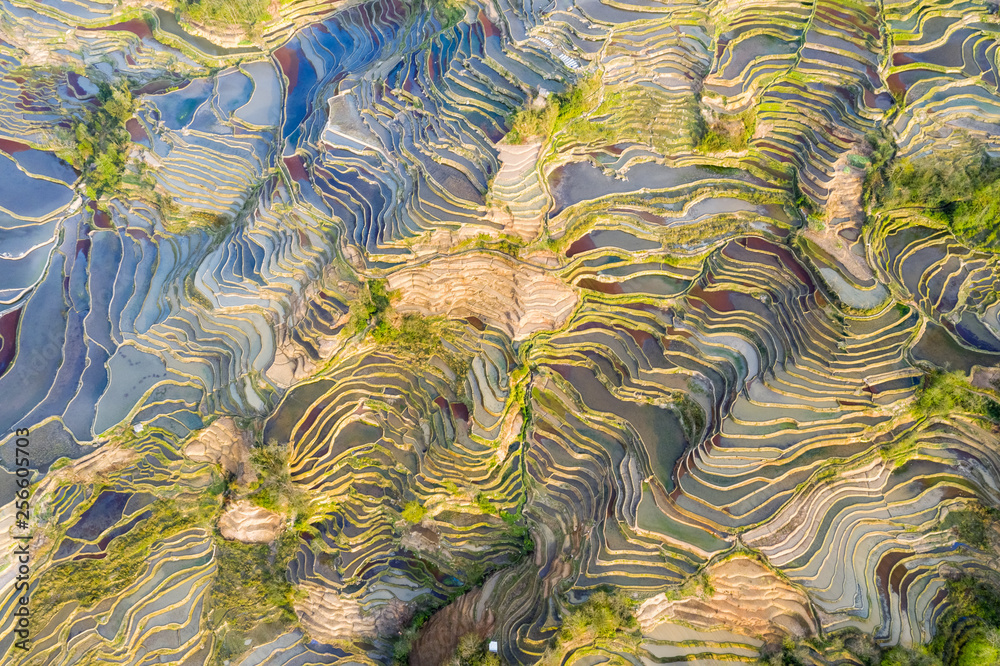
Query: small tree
x=99 y=142
x=414 y=512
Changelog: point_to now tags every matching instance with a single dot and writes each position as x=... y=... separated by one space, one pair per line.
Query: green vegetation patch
x=692 y=418
x=960 y=185
x=448 y=12
x=275 y=490
x=250 y=589
x=517 y=529
x=728 y=133
x=414 y=334
x=849 y=646
x=505 y=243
x=414 y=511
x=99 y=143
x=981 y=648
x=250 y=586
x=941 y=393
x=969 y=633
x=606 y=617
x=642 y=115
x=88 y=581
x=973 y=526
x=403 y=643
x=694 y=586
x=409 y=334
x=243 y=13
x=904 y=656
x=472 y=651
x=880 y=148
x=558 y=111
x=370 y=306
x=485 y=505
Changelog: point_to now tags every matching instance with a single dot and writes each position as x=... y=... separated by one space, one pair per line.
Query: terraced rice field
x=379 y=330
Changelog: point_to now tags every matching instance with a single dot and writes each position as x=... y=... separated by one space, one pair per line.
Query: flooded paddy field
x=375 y=332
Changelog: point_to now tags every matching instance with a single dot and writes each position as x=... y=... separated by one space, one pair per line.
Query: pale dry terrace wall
x=746 y=597
x=516 y=297
x=248 y=523
x=519 y=200
x=330 y=617
x=224 y=444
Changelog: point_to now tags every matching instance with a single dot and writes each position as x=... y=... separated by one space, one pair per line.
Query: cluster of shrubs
x=558 y=111
x=728 y=133
x=942 y=393
x=961 y=186
x=247 y=14
x=99 y=144
x=408 y=333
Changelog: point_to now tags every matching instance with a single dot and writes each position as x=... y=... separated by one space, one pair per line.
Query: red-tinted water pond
x=137 y=27
x=8 y=338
